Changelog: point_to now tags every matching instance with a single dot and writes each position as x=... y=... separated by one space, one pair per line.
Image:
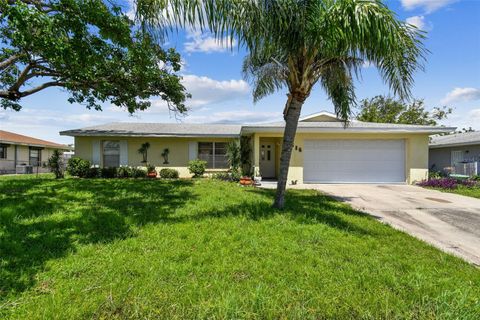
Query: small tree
x=143 y=150
x=55 y=164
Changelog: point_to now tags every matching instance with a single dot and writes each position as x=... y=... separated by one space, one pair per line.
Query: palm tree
x=297 y=44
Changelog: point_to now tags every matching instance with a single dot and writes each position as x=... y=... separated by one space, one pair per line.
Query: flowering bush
x=447 y=183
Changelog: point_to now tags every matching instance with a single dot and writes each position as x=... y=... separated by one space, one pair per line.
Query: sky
x=212 y=74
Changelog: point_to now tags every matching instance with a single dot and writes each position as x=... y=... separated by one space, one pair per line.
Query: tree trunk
x=291 y=123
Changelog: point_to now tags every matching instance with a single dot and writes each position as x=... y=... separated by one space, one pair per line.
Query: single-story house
x=458 y=152
x=325 y=150
x=19 y=152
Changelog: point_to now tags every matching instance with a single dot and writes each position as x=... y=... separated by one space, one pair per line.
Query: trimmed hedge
x=167 y=173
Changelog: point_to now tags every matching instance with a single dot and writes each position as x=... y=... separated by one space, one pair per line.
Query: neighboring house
x=18 y=152
x=324 y=151
x=458 y=152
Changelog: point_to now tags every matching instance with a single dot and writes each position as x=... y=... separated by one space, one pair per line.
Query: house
x=458 y=153
x=325 y=150
x=19 y=153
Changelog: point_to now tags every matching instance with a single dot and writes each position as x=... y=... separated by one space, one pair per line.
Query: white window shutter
x=96 y=152
x=192 y=150
x=123 y=153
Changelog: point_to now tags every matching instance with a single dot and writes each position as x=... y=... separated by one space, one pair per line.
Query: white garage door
x=354 y=161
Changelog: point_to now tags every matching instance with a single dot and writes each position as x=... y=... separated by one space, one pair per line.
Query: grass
x=464 y=191
x=115 y=249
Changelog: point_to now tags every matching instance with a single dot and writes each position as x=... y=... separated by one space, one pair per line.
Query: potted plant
x=151 y=172
x=246 y=181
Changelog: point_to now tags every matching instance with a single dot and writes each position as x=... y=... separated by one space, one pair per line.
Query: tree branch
x=41 y=87
x=9 y=61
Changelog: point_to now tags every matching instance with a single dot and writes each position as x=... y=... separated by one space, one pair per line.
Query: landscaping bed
x=466 y=187
x=203 y=248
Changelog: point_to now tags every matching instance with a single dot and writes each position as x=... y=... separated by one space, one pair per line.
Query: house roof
x=456 y=139
x=158 y=130
x=318 y=122
x=15 y=138
x=329 y=122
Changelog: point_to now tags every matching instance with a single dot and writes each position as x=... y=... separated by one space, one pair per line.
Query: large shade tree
x=295 y=45
x=91 y=49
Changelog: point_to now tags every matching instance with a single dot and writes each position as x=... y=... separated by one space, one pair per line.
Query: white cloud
x=419 y=22
x=205 y=42
x=462 y=94
x=428 y=5
x=206 y=91
x=236 y=117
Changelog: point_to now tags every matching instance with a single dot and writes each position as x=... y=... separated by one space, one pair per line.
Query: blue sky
x=212 y=74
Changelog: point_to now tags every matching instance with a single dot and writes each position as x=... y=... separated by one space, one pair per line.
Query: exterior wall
x=23 y=158
x=178 y=157
x=440 y=158
x=416 y=145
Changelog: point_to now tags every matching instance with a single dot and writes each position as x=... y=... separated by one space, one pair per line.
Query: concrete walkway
x=448 y=221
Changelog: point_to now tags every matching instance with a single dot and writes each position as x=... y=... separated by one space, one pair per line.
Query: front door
x=267 y=159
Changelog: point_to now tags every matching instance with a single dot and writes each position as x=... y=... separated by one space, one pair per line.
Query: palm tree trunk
x=291 y=123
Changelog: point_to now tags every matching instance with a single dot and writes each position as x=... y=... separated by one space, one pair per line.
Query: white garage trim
x=354 y=161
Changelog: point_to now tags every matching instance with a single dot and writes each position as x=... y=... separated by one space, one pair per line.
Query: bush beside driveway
x=124 y=248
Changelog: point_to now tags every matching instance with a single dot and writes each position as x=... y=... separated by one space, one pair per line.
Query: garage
x=354 y=161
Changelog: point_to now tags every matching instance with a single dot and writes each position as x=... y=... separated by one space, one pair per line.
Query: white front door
x=354 y=161
x=267 y=159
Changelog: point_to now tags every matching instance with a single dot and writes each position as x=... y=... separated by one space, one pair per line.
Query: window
x=3 y=152
x=214 y=153
x=111 y=154
x=34 y=157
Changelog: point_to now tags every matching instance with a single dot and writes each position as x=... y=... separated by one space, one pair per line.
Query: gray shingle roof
x=230 y=130
x=466 y=138
x=354 y=126
x=157 y=130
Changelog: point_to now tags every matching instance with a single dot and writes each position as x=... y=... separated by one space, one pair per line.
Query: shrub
x=108 y=173
x=55 y=164
x=434 y=175
x=197 y=167
x=93 y=172
x=167 y=173
x=78 y=167
x=225 y=176
x=124 y=172
x=139 y=173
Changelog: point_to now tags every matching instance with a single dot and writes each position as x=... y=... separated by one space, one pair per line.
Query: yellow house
x=19 y=152
x=325 y=150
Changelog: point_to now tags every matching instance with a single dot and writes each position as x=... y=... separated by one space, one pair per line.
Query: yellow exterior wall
x=416 y=151
x=178 y=157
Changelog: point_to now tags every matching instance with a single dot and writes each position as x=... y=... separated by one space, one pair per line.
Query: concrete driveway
x=448 y=221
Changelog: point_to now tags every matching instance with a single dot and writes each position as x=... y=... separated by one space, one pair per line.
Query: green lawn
x=115 y=249
x=464 y=191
